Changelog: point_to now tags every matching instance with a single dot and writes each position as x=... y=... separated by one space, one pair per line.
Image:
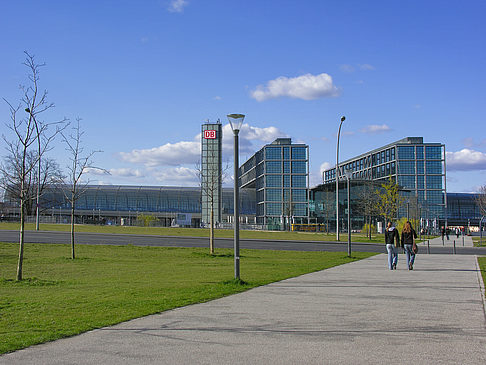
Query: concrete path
x=359 y=313
x=462 y=241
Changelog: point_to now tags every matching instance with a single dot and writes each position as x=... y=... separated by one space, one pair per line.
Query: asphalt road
x=173 y=241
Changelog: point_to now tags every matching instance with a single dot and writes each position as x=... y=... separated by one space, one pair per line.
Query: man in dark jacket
x=391 y=236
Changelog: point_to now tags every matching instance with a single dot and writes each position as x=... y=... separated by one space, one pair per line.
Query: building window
x=433 y=167
x=273 y=167
x=420 y=152
x=273 y=181
x=286 y=153
x=420 y=167
x=406 y=153
x=274 y=209
x=420 y=182
x=299 y=153
x=406 y=167
x=433 y=152
x=286 y=165
x=435 y=197
x=299 y=181
x=274 y=195
x=299 y=195
x=300 y=210
x=299 y=167
x=434 y=182
x=407 y=181
x=273 y=153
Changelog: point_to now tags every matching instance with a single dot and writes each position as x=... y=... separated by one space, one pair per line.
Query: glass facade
x=416 y=166
x=279 y=173
x=211 y=172
x=128 y=201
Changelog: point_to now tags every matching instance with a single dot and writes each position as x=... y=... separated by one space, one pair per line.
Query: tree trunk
x=73 y=256
x=369 y=224
x=21 y=245
x=211 y=230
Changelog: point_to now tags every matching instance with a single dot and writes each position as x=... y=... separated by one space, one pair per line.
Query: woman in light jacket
x=408 y=240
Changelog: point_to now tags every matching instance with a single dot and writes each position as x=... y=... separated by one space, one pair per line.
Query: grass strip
x=201 y=232
x=106 y=285
x=482 y=267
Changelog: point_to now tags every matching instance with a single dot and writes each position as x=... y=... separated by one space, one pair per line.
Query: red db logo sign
x=210 y=134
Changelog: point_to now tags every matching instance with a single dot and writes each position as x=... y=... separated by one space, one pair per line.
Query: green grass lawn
x=199 y=232
x=482 y=266
x=105 y=285
x=477 y=243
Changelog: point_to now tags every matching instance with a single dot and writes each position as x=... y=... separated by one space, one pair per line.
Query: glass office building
x=211 y=172
x=418 y=167
x=279 y=174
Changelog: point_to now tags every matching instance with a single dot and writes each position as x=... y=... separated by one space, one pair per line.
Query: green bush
x=145 y=220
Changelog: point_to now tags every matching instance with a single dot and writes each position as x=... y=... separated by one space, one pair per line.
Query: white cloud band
x=306 y=87
x=466 y=160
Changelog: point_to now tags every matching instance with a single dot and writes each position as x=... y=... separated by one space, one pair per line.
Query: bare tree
x=210 y=182
x=79 y=163
x=35 y=184
x=366 y=203
x=481 y=200
x=27 y=130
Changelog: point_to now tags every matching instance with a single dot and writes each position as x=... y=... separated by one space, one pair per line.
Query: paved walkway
x=462 y=241
x=359 y=313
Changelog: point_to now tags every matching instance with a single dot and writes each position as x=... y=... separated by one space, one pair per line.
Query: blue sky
x=144 y=76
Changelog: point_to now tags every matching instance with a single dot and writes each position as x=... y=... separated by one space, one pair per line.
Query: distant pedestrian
x=447 y=232
x=392 y=241
x=442 y=233
x=408 y=241
x=457 y=233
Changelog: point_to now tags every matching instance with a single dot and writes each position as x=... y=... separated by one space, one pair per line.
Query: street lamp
x=348 y=175
x=236 y=120
x=337 y=178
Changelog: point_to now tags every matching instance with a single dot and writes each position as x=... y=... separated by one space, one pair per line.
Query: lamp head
x=236 y=120
x=343 y=118
x=27 y=110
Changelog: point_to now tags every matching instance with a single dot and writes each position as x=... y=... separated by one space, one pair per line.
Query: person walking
x=391 y=236
x=408 y=241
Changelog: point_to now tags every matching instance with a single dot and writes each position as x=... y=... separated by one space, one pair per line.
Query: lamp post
x=236 y=120
x=348 y=175
x=337 y=178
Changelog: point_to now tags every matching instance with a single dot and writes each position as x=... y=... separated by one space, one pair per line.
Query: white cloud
x=306 y=87
x=366 y=67
x=247 y=136
x=177 y=176
x=469 y=142
x=375 y=129
x=177 y=6
x=466 y=160
x=126 y=172
x=217 y=97
x=189 y=152
x=172 y=154
x=347 y=68
x=96 y=171
x=325 y=166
